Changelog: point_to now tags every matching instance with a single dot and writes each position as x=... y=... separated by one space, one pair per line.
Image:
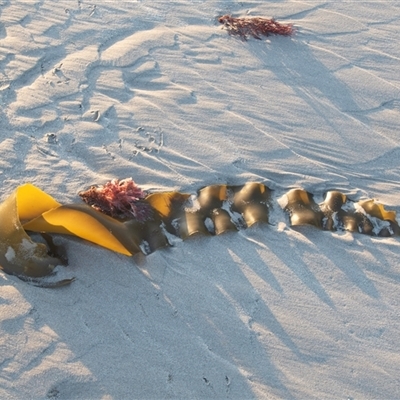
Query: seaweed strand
x=254 y=26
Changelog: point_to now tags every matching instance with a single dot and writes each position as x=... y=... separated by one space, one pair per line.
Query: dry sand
x=159 y=92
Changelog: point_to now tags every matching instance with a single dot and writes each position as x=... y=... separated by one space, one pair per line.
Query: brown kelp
x=216 y=209
x=19 y=255
x=121 y=217
x=337 y=212
x=254 y=26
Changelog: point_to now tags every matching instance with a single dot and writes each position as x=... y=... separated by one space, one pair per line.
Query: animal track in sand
x=150 y=141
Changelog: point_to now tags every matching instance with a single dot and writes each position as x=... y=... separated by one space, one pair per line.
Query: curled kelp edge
x=19 y=254
x=337 y=213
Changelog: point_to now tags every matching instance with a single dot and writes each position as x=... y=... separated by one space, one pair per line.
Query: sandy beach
x=160 y=92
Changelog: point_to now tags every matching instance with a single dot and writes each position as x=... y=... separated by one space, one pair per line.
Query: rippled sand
x=159 y=92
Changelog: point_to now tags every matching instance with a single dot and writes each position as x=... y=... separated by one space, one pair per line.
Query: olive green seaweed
x=19 y=255
x=216 y=209
x=337 y=212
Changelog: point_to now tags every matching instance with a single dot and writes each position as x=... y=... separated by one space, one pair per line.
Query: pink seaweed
x=118 y=199
x=254 y=26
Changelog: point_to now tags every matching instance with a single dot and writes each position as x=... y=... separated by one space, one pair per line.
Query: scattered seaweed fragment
x=254 y=26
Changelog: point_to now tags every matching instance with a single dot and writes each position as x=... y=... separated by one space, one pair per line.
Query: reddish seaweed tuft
x=118 y=199
x=255 y=27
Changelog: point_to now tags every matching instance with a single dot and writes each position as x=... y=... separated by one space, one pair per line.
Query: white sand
x=159 y=92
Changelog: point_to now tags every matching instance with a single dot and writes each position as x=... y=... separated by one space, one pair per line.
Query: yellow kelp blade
x=298 y=197
x=166 y=203
x=211 y=197
x=83 y=221
x=378 y=210
x=334 y=201
x=32 y=202
x=252 y=192
x=19 y=255
x=302 y=208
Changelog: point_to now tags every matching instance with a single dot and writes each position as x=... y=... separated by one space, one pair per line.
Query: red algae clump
x=255 y=27
x=119 y=199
